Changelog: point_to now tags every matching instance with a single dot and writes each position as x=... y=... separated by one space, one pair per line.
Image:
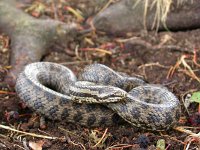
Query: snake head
x=87 y=92
x=111 y=94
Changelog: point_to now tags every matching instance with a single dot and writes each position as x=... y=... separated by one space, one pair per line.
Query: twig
x=74 y=12
x=97 y=49
x=148 y=45
x=189 y=68
x=190 y=74
x=183 y=100
x=191 y=138
x=71 y=133
x=104 y=134
x=77 y=52
x=119 y=146
x=182 y=129
x=74 y=62
x=187 y=127
x=106 y=6
x=153 y=64
x=173 y=138
x=7 y=92
x=19 y=146
x=195 y=58
x=55 y=10
x=71 y=142
x=78 y=144
x=31 y=134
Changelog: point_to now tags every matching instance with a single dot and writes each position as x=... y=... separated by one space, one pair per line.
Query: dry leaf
x=36 y=145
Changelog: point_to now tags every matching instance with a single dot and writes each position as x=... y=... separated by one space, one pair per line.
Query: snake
x=99 y=97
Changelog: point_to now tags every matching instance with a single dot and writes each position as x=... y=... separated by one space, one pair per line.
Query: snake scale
x=100 y=97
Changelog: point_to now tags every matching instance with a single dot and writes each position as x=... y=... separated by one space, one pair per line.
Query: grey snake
x=99 y=97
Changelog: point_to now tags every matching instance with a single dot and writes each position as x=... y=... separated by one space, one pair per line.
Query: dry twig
x=30 y=134
x=104 y=134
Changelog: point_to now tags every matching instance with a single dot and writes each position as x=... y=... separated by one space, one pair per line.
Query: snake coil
x=98 y=98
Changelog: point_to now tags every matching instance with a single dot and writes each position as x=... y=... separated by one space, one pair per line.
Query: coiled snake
x=99 y=97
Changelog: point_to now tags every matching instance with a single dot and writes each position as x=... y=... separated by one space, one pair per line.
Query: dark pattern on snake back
x=146 y=106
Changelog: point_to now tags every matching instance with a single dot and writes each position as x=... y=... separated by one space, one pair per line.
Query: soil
x=133 y=59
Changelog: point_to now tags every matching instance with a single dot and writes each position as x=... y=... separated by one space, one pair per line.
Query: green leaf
x=195 y=97
x=160 y=145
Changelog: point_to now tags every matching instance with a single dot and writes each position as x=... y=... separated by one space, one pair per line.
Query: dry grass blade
x=184 y=130
x=106 y=6
x=190 y=72
x=145 y=14
x=187 y=69
x=75 y=12
x=193 y=137
x=162 y=10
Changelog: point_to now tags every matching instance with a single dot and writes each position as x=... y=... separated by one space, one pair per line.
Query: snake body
x=44 y=87
x=53 y=90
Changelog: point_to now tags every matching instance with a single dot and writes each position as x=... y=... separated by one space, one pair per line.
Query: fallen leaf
x=36 y=145
x=160 y=145
x=195 y=97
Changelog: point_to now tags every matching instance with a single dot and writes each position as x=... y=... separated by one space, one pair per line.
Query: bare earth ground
x=153 y=65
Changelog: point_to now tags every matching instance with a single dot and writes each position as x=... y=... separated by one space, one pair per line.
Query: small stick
x=27 y=133
x=97 y=49
x=199 y=108
x=104 y=134
x=183 y=100
x=153 y=64
x=173 y=138
x=148 y=45
x=119 y=146
x=74 y=12
x=106 y=6
x=74 y=62
x=182 y=129
x=7 y=92
x=55 y=10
